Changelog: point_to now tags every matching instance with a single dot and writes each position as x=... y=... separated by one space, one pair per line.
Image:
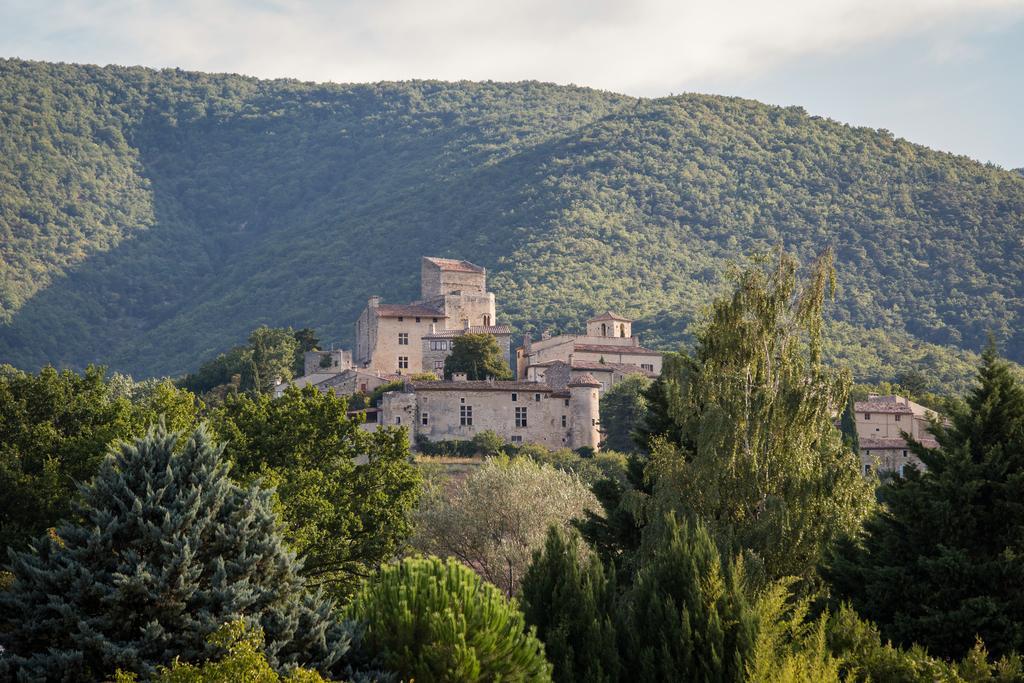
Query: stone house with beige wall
x=437 y=345
x=881 y=422
x=608 y=351
x=453 y=296
x=518 y=411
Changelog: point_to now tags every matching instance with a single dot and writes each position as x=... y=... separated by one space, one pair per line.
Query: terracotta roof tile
x=479 y=329
x=408 y=310
x=623 y=349
x=584 y=380
x=482 y=385
x=454 y=265
x=608 y=315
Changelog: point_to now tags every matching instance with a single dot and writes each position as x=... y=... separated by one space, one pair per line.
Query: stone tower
x=610 y=325
x=584 y=404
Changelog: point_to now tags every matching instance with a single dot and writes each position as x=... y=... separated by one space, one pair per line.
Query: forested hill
x=149 y=219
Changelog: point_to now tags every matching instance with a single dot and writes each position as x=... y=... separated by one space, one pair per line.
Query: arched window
x=604 y=330
x=622 y=330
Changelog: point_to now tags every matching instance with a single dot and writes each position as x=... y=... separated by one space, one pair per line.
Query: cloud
x=636 y=46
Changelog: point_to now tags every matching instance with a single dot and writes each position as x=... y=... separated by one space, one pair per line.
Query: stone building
x=453 y=296
x=881 y=422
x=326 y=362
x=608 y=350
x=518 y=411
x=437 y=345
x=344 y=383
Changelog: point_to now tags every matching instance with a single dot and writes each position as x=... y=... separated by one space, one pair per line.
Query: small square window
x=434 y=320
x=517 y=439
x=564 y=421
x=515 y=396
x=417 y=318
x=566 y=401
x=897 y=418
x=867 y=416
x=536 y=397
x=424 y=419
x=403 y=362
x=403 y=338
x=398 y=419
x=400 y=318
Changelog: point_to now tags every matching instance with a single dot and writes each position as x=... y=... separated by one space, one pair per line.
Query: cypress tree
x=941 y=563
x=168 y=550
x=686 y=616
x=571 y=603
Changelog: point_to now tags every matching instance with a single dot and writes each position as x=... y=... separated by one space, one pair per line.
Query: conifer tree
x=941 y=563
x=432 y=620
x=686 y=616
x=168 y=550
x=571 y=603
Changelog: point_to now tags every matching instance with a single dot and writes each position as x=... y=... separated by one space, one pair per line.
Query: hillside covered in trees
x=150 y=219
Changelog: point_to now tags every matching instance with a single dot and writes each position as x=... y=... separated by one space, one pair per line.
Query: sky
x=944 y=73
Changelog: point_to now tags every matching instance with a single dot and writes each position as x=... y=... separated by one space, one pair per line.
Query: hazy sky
x=945 y=73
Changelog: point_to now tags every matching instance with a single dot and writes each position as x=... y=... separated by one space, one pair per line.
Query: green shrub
x=433 y=620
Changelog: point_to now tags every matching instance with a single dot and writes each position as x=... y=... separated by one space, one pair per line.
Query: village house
x=518 y=411
x=416 y=337
x=881 y=422
x=608 y=351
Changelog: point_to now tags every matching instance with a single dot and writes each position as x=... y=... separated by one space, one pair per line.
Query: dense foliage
x=431 y=620
x=623 y=408
x=345 y=495
x=941 y=562
x=149 y=219
x=54 y=430
x=478 y=356
x=167 y=551
x=758 y=457
x=496 y=517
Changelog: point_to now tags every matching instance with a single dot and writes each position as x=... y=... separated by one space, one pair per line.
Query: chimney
x=373 y=302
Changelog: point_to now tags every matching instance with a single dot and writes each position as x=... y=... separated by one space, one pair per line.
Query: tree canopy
x=477 y=355
x=152 y=218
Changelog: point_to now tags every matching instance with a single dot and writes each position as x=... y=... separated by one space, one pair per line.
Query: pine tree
x=432 y=620
x=686 y=616
x=168 y=550
x=942 y=562
x=571 y=603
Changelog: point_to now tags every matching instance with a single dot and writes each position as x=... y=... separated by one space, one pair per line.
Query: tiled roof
x=482 y=385
x=479 y=329
x=454 y=264
x=878 y=405
x=408 y=310
x=601 y=348
x=624 y=368
x=584 y=380
x=608 y=315
x=893 y=444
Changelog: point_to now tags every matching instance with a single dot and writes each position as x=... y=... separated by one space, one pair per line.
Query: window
x=867 y=416
x=403 y=338
x=400 y=318
x=566 y=401
x=439 y=365
x=536 y=397
x=520 y=417
x=904 y=452
x=515 y=396
x=649 y=367
x=622 y=330
x=417 y=318
x=867 y=469
x=897 y=417
x=517 y=439
x=867 y=451
x=424 y=419
x=434 y=320
x=604 y=330
x=564 y=421
x=398 y=419
x=487 y=321
x=403 y=362
x=466 y=415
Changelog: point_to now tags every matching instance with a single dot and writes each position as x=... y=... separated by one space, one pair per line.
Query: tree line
x=153 y=536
